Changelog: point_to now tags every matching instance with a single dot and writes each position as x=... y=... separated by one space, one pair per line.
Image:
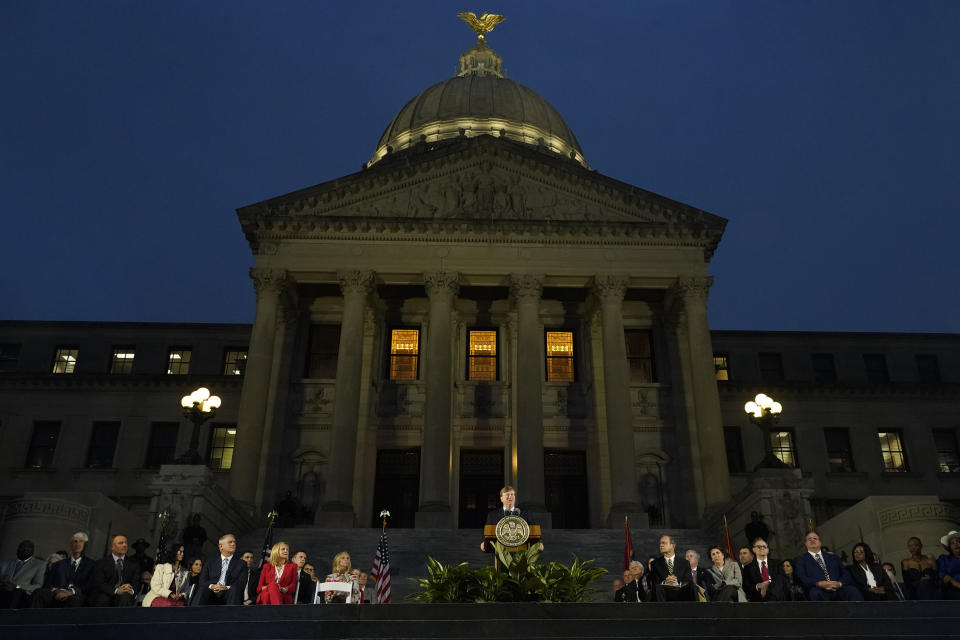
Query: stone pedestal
x=782 y=497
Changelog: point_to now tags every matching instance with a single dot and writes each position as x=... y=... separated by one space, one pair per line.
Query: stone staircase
x=409 y=549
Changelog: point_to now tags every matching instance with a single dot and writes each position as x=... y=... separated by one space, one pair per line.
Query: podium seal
x=512 y=531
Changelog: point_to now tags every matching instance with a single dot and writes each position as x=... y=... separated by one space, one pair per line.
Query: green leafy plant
x=450 y=583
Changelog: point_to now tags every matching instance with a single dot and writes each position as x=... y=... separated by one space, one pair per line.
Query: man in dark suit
x=822 y=575
x=115 y=578
x=670 y=574
x=251 y=580
x=632 y=589
x=223 y=577
x=306 y=588
x=20 y=577
x=763 y=579
x=69 y=579
x=698 y=575
x=508 y=497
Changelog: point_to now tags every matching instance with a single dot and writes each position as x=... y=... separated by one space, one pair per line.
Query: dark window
x=640 y=355
x=876 y=366
x=891 y=447
x=65 y=359
x=404 y=354
x=560 y=365
x=771 y=367
x=482 y=354
x=222 y=440
x=733 y=442
x=324 y=347
x=234 y=362
x=928 y=369
x=721 y=366
x=839 y=454
x=43 y=444
x=948 y=457
x=122 y=360
x=824 y=370
x=9 y=355
x=103 y=444
x=178 y=361
x=783 y=447
x=163 y=444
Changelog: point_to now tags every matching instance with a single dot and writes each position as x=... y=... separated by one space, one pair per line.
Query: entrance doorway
x=396 y=487
x=481 y=478
x=566 y=487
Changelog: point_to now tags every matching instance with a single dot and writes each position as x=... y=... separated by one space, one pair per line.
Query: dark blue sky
x=825 y=131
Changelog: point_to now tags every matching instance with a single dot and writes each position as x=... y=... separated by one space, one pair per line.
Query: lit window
x=222 y=441
x=482 y=363
x=839 y=454
x=234 y=363
x=178 y=361
x=404 y=354
x=65 y=359
x=559 y=356
x=948 y=458
x=43 y=444
x=122 y=360
x=891 y=446
x=721 y=366
x=639 y=355
x=103 y=444
x=324 y=348
x=782 y=443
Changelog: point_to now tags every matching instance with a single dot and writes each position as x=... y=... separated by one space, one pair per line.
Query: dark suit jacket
x=681 y=569
x=704 y=579
x=64 y=577
x=103 y=578
x=308 y=589
x=631 y=592
x=210 y=574
x=497 y=514
x=251 y=592
x=859 y=577
x=808 y=572
x=776 y=592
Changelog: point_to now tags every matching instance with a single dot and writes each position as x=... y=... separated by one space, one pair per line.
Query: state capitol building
x=477 y=307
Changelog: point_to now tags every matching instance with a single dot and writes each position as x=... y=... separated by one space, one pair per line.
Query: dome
x=478 y=101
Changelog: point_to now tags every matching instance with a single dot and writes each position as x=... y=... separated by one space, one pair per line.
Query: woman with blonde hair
x=341 y=573
x=278 y=579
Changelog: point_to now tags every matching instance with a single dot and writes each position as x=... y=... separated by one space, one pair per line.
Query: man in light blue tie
x=222 y=578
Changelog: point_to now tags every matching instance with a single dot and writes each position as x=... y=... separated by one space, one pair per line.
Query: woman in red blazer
x=278 y=580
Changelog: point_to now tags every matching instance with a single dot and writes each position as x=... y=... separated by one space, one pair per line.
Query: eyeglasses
x=760 y=546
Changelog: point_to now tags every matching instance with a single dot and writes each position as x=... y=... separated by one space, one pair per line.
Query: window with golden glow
x=782 y=442
x=65 y=359
x=404 y=354
x=482 y=355
x=122 y=361
x=222 y=442
x=559 y=356
x=234 y=362
x=639 y=355
x=178 y=361
x=721 y=366
x=891 y=446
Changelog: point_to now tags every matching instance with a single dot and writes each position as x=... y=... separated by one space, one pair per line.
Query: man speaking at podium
x=508 y=496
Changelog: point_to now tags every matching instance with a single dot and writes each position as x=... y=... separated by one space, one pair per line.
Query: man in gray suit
x=20 y=577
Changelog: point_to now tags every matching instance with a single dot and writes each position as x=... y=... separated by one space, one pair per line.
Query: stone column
x=526 y=290
x=244 y=472
x=337 y=510
x=624 y=496
x=435 y=467
x=692 y=294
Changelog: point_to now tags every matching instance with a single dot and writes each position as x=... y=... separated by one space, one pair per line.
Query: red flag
x=627 y=545
x=726 y=538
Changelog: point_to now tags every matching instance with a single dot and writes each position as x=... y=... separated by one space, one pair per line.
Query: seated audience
x=920 y=574
x=822 y=575
x=948 y=566
x=794 y=590
x=69 y=581
x=252 y=579
x=763 y=578
x=868 y=576
x=278 y=578
x=223 y=577
x=727 y=579
x=170 y=584
x=898 y=588
x=670 y=574
x=52 y=561
x=745 y=557
x=618 y=587
x=306 y=591
x=115 y=577
x=368 y=593
x=143 y=589
x=20 y=577
x=700 y=576
x=341 y=573
x=195 y=565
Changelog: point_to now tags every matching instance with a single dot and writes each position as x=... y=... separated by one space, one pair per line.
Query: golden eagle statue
x=482 y=25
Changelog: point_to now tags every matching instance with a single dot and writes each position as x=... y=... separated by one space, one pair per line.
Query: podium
x=490 y=536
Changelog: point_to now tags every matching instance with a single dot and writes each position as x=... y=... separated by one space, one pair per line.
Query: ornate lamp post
x=764 y=412
x=198 y=407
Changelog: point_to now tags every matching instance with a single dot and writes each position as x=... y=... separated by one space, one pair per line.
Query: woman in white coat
x=170 y=584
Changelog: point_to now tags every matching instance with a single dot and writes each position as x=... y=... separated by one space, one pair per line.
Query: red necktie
x=763 y=571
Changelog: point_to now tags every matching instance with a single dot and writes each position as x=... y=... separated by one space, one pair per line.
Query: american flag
x=381 y=569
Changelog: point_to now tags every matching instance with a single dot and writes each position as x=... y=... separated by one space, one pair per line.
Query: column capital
x=526 y=286
x=268 y=279
x=692 y=289
x=355 y=282
x=442 y=284
x=610 y=288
